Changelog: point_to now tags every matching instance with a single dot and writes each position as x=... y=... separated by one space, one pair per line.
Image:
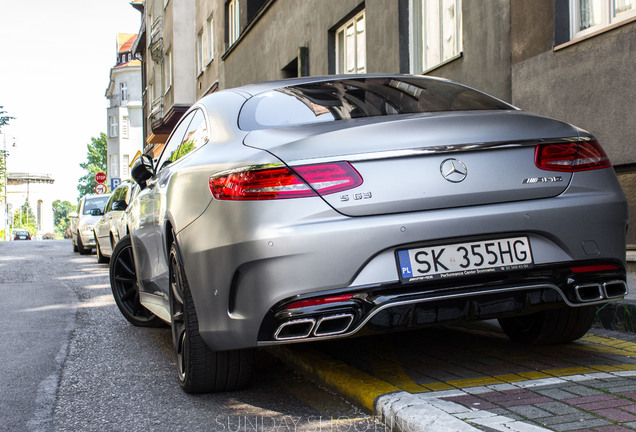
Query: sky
x=55 y=60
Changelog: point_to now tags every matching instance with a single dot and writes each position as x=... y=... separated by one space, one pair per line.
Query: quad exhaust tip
x=615 y=289
x=333 y=325
x=327 y=325
x=295 y=329
x=592 y=292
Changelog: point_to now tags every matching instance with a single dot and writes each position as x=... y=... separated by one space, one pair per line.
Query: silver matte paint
x=262 y=252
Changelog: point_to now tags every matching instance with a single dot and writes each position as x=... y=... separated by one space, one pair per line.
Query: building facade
x=124 y=114
x=568 y=59
x=166 y=45
x=36 y=189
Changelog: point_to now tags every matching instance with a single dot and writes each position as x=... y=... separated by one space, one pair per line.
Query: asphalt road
x=70 y=362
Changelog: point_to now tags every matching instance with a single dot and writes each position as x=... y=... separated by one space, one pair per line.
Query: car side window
x=195 y=136
x=109 y=204
x=171 y=150
x=119 y=199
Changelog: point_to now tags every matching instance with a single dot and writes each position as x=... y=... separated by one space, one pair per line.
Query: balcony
x=156 y=39
x=116 y=101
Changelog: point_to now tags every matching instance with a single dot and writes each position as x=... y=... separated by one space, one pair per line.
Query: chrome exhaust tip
x=333 y=324
x=615 y=289
x=295 y=329
x=589 y=292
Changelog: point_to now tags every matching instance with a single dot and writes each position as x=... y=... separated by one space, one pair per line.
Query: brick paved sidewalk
x=603 y=402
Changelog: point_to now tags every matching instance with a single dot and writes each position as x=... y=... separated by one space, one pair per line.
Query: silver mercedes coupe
x=327 y=207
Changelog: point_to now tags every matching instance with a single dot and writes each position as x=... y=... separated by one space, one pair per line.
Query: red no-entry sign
x=100 y=177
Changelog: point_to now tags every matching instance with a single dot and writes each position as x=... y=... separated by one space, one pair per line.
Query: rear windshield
x=360 y=97
x=95 y=203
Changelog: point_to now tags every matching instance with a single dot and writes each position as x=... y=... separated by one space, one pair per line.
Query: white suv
x=89 y=210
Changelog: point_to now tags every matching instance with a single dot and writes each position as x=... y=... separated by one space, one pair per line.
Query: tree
x=96 y=161
x=24 y=218
x=61 y=209
x=4 y=119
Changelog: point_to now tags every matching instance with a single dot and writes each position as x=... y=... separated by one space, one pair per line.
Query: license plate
x=464 y=259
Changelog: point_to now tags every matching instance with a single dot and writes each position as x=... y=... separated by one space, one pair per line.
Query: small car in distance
x=18 y=234
x=111 y=227
x=324 y=207
x=83 y=220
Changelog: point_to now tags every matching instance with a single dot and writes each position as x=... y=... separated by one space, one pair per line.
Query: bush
x=48 y=236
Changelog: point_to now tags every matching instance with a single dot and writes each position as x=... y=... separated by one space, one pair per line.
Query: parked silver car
x=324 y=207
x=82 y=221
x=112 y=226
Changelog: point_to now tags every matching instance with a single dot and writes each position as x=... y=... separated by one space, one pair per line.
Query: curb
x=397 y=409
x=357 y=386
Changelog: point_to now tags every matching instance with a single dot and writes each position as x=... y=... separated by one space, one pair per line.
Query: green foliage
x=24 y=218
x=4 y=119
x=96 y=161
x=61 y=209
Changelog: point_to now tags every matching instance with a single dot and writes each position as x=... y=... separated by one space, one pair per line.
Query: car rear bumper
x=241 y=277
x=409 y=306
x=88 y=239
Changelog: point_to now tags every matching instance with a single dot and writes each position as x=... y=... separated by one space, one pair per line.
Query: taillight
x=593 y=268
x=570 y=157
x=280 y=183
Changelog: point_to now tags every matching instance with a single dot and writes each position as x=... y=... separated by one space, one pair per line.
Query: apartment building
x=124 y=114
x=569 y=59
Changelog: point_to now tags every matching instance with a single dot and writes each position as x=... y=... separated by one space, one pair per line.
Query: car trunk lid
x=427 y=161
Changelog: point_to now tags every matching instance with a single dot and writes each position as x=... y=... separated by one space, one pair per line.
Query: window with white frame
x=125 y=126
x=209 y=46
x=436 y=33
x=123 y=90
x=114 y=166
x=113 y=126
x=200 y=49
x=588 y=16
x=234 y=21
x=351 y=46
x=167 y=71
x=125 y=166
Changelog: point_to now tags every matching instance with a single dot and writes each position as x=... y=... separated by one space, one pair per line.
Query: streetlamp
x=5 y=153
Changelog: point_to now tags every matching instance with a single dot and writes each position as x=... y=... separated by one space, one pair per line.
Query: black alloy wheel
x=123 y=283
x=200 y=369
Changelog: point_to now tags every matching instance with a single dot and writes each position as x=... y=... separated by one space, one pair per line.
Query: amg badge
x=542 y=180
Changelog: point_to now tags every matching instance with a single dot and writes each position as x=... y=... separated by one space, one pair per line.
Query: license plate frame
x=452 y=260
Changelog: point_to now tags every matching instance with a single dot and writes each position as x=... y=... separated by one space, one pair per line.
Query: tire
x=74 y=244
x=200 y=369
x=123 y=283
x=80 y=247
x=550 y=327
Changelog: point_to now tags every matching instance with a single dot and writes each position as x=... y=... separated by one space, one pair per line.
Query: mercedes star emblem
x=453 y=170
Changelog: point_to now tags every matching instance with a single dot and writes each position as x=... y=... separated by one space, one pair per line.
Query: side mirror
x=96 y=212
x=142 y=170
x=72 y=215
